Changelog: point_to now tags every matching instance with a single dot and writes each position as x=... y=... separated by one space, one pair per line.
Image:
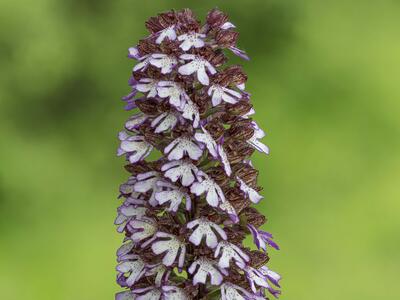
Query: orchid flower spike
x=185 y=215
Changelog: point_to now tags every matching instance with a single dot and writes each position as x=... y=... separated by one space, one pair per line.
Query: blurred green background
x=324 y=78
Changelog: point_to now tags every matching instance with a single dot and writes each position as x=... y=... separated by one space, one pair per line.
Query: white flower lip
x=254 y=140
x=173 y=91
x=253 y=195
x=190 y=111
x=146 y=182
x=181 y=146
x=204 y=228
x=164 y=122
x=169 y=245
x=142 y=229
x=183 y=170
x=204 y=267
x=174 y=293
x=214 y=193
x=174 y=195
x=127 y=213
x=197 y=65
x=135 y=147
x=164 y=62
x=206 y=139
x=168 y=32
x=219 y=93
x=135 y=121
x=148 y=85
x=230 y=291
x=190 y=40
x=228 y=251
x=135 y=269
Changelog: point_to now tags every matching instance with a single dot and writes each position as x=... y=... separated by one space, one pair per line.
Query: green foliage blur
x=324 y=79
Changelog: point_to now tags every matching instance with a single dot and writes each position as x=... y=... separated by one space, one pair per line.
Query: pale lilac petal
x=205 y=228
x=188 y=69
x=133 y=52
x=165 y=121
x=253 y=195
x=203 y=268
x=227 y=25
x=164 y=62
x=168 y=32
x=180 y=169
x=181 y=146
x=208 y=186
x=202 y=76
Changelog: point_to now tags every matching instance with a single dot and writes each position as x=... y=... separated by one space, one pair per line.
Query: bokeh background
x=324 y=78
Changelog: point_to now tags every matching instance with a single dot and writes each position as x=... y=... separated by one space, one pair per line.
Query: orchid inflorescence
x=185 y=215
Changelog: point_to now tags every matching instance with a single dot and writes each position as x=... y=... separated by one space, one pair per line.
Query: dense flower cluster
x=185 y=215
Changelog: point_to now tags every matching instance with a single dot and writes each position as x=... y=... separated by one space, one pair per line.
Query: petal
x=187 y=69
x=202 y=76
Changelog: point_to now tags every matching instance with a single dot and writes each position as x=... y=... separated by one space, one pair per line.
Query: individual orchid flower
x=164 y=62
x=148 y=293
x=133 y=269
x=127 y=187
x=133 y=52
x=253 y=195
x=169 y=244
x=135 y=121
x=168 y=32
x=258 y=278
x=165 y=121
x=219 y=93
x=197 y=65
x=230 y=291
x=206 y=139
x=183 y=170
x=228 y=252
x=254 y=277
x=190 y=40
x=174 y=195
x=126 y=213
x=160 y=272
x=141 y=229
x=171 y=292
x=190 y=111
x=135 y=147
x=272 y=276
x=173 y=91
x=203 y=268
x=254 y=140
x=181 y=146
x=149 y=86
x=124 y=250
x=262 y=238
x=143 y=60
x=214 y=193
x=148 y=182
x=204 y=228
x=226 y=207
